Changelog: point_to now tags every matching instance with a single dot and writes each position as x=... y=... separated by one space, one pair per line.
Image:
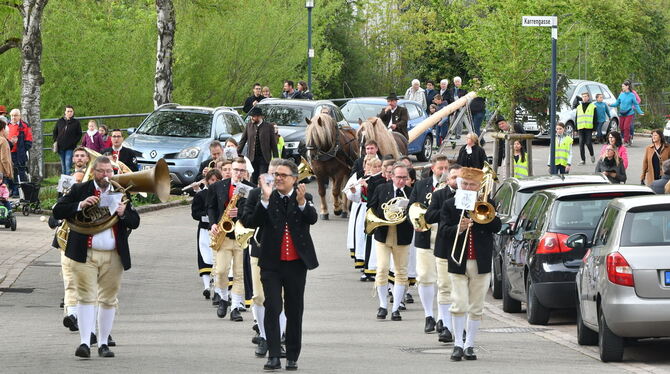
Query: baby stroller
x=29 y=198
x=7 y=218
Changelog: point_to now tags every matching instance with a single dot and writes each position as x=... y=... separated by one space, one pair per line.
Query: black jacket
x=274 y=219
x=246 y=213
x=67 y=133
x=267 y=140
x=419 y=192
x=249 y=102
x=483 y=238
x=400 y=118
x=202 y=167
x=77 y=244
x=450 y=94
x=474 y=160
x=126 y=155
x=382 y=194
x=435 y=207
x=217 y=199
x=199 y=208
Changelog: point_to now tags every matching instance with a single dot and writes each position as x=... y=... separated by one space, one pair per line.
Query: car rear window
x=354 y=111
x=577 y=214
x=177 y=124
x=286 y=115
x=647 y=228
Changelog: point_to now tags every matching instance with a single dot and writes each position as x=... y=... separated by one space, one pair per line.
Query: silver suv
x=181 y=135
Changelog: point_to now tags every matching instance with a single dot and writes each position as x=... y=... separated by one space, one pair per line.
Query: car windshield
x=354 y=111
x=286 y=115
x=580 y=214
x=178 y=124
x=648 y=228
x=570 y=90
x=520 y=201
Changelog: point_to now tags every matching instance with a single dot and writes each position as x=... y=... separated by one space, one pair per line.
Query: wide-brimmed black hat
x=392 y=96
x=256 y=111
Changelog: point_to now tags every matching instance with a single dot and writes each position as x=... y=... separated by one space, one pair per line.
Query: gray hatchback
x=623 y=284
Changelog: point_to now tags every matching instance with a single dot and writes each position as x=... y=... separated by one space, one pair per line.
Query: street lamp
x=309 y=4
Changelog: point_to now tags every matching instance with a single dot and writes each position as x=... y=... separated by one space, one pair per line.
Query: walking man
x=66 y=135
x=261 y=141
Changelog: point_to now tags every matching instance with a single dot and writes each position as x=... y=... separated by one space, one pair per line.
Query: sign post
x=549 y=21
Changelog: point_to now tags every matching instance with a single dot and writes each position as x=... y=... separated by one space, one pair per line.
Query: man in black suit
x=97 y=261
x=261 y=141
x=395 y=117
x=220 y=194
x=426 y=271
x=215 y=151
x=469 y=264
x=287 y=252
x=120 y=153
x=392 y=240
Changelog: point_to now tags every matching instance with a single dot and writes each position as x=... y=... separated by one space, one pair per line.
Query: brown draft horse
x=391 y=143
x=332 y=151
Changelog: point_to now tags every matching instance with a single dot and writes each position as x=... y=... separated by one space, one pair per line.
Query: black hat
x=256 y=111
x=392 y=96
x=499 y=119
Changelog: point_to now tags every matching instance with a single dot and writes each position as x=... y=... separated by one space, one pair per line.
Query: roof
x=539 y=181
x=374 y=100
x=295 y=102
x=559 y=192
x=627 y=203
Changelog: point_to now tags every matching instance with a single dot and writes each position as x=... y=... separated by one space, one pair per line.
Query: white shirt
x=266 y=203
x=104 y=240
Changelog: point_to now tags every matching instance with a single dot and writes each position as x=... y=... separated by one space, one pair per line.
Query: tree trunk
x=32 y=79
x=166 y=27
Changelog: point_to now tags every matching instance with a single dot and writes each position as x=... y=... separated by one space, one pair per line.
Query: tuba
x=394 y=214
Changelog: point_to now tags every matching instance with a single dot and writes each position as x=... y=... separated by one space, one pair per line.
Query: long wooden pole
x=439 y=115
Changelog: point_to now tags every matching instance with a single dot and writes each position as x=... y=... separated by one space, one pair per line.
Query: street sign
x=538 y=21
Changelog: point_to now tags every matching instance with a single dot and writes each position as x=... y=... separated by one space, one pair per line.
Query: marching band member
x=225 y=167
x=199 y=213
x=392 y=240
x=217 y=202
x=425 y=259
x=356 y=192
x=470 y=279
x=117 y=152
x=370 y=264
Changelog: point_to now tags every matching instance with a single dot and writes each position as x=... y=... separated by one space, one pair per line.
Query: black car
x=538 y=267
x=289 y=115
x=511 y=196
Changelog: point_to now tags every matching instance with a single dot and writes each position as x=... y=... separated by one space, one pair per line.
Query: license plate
x=147 y=167
x=667 y=278
x=530 y=126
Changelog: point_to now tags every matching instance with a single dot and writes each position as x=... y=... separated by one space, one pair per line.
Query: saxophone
x=225 y=224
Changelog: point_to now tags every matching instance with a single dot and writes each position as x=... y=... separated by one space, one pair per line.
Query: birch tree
x=166 y=28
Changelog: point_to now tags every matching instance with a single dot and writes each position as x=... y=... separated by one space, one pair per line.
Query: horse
x=332 y=151
x=390 y=143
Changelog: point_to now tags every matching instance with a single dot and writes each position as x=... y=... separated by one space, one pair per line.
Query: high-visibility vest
x=521 y=168
x=585 y=119
x=280 y=145
x=563 y=150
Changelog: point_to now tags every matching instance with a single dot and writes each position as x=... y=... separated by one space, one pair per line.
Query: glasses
x=281 y=175
x=104 y=171
x=240 y=170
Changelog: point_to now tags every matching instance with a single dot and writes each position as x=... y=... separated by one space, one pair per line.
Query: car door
x=517 y=247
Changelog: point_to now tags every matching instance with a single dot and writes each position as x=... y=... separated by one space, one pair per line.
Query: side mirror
x=130 y=130
x=223 y=137
x=577 y=241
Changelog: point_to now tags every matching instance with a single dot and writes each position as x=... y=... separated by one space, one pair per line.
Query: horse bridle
x=332 y=152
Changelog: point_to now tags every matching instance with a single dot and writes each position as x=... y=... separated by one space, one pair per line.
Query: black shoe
x=62 y=303
x=70 y=322
x=272 y=364
x=216 y=298
x=255 y=327
x=291 y=365
x=94 y=339
x=430 y=325
x=282 y=351
x=395 y=316
x=381 y=313
x=457 y=355
x=409 y=299
x=439 y=326
x=363 y=278
x=235 y=315
x=262 y=348
x=222 y=309
x=445 y=336
x=110 y=341
x=402 y=306
x=469 y=354
x=206 y=293
x=256 y=339
x=104 y=351
x=83 y=351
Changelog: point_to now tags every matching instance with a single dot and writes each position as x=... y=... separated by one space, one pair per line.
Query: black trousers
x=289 y=277
x=585 y=140
x=260 y=167
x=248 y=283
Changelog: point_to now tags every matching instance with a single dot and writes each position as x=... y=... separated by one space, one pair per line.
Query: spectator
x=106 y=139
x=266 y=92
x=255 y=98
x=280 y=139
x=614 y=139
x=432 y=109
x=627 y=104
x=507 y=129
x=586 y=119
x=655 y=154
x=602 y=116
x=394 y=117
x=416 y=93
x=562 y=150
x=289 y=92
x=520 y=160
x=66 y=135
x=6 y=168
x=632 y=122
x=444 y=84
x=454 y=94
x=4 y=194
x=430 y=92
x=471 y=154
x=658 y=186
x=611 y=166
x=303 y=89
x=477 y=108
x=92 y=139
x=261 y=142
x=443 y=126
x=3 y=114
x=120 y=153
x=20 y=136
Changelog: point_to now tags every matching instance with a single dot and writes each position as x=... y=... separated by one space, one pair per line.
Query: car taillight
x=618 y=270
x=552 y=242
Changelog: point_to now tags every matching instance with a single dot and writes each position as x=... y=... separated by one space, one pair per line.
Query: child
x=106 y=139
x=4 y=195
x=92 y=139
x=520 y=160
x=563 y=146
x=602 y=115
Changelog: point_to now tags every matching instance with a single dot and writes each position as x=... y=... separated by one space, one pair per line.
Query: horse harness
x=332 y=153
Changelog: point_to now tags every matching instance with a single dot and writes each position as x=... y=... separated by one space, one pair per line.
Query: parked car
x=181 y=135
x=365 y=107
x=623 y=284
x=289 y=115
x=567 y=114
x=538 y=267
x=666 y=130
x=508 y=200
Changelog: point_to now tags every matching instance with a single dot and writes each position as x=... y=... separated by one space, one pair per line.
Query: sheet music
x=111 y=200
x=65 y=183
x=465 y=199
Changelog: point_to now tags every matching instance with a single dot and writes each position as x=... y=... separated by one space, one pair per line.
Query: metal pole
x=310 y=53
x=552 y=101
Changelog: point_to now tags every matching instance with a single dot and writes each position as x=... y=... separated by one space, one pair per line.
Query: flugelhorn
x=211 y=165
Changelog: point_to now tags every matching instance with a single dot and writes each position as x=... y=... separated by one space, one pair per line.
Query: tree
x=166 y=28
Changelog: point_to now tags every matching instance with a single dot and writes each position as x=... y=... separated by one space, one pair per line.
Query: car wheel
x=426 y=149
x=585 y=336
x=509 y=305
x=609 y=344
x=496 y=284
x=13 y=223
x=536 y=313
x=571 y=131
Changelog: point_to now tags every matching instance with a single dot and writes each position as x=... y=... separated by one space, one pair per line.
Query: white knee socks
x=105 y=323
x=71 y=310
x=445 y=315
x=236 y=300
x=206 y=279
x=458 y=328
x=282 y=322
x=398 y=296
x=382 y=293
x=473 y=327
x=86 y=322
x=427 y=294
x=260 y=319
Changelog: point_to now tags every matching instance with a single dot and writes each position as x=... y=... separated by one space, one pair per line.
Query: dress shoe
x=256 y=339
x=222 y=309
x=439 y=326
x=262 y=348
x=457 y=355
x=430 y=325
x=206 y=293
x=62 y=303
x=381 y=313
x=83 y=351
x=104 y=351
x=282 y=351
x=395 y=316
x=94 y=339
x=409 y=299
x=291 y=365
x=110 y=341
x=402 y=306
x=363 y=278
x=235 y=315
x=445 y=336
x=70 y=321
x=469 y=354
x=272 y=364
x=215 y=299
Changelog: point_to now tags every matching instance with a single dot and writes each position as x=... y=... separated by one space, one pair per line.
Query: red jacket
x=14 y=130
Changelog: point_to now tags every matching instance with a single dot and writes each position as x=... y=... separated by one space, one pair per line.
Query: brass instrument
x=393 y=215
x=304 y=169
x=243 y=235
x=417 y=215
x=211 y=165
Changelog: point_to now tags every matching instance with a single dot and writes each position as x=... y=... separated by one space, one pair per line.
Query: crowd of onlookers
x=289 y=91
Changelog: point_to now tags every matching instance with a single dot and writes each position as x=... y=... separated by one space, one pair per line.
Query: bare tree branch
x=9 y=44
